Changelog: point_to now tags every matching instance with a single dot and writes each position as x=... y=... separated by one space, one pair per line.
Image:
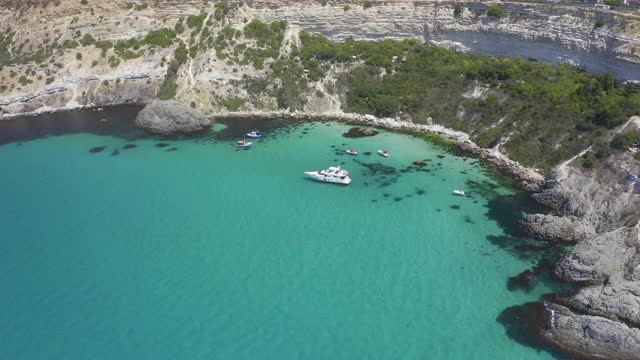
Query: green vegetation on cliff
x=541 y=113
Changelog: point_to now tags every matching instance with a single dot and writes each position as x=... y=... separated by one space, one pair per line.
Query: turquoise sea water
x=207 y=252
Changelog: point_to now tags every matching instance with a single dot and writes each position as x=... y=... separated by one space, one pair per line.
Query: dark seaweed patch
x=129 y=146
x=115 y=152
x=172 y=149
x=161 y=145
x=455 y=207
x=97 y=149
x=367 y=153
x=420 y=192
x=396 y=199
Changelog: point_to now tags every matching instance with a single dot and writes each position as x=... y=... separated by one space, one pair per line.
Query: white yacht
x=459 y=192
x=333 y=175
x=254 y=134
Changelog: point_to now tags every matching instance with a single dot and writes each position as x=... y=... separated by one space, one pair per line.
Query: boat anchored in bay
x=332 y=175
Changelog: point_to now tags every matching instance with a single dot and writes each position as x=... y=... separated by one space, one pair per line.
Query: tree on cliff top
x=495 y=11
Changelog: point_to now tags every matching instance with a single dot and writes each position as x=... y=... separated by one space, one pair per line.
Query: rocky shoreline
x=528 y=178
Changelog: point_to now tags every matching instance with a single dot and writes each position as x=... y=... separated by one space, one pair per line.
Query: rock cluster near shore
x=358 y=132
x=170 y=117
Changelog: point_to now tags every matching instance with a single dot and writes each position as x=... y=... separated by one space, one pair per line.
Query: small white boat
x=332 y=175
x=384 y=153
x=244 y=143
x=459 y=192
x=352 y=152
x=255 y=134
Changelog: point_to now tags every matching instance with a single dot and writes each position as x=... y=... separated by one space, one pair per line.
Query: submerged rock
x=97 y=149
x=169 y=117
x=357 y=132
x=524 y=280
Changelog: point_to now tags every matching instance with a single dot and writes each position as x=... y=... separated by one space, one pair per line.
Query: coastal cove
x=189 y=247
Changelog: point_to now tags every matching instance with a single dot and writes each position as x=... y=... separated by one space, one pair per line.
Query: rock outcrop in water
x=169 y=117
x=357 y=132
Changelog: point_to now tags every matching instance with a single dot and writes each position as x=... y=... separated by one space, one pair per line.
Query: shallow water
x=191 y=248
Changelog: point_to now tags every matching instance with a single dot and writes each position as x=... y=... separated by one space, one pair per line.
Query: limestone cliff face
x=62 y=79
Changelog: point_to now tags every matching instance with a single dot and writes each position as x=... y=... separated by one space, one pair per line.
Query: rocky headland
x=598 y=209
x=59 y=55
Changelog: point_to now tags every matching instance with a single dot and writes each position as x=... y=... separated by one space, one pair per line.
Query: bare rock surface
x=599 y=208
x=169 y=117
x=556 y=228
x=590 y=337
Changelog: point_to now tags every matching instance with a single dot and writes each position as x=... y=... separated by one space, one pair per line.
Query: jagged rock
x=600 y=258
x=555 y=228
x=590 y=337
x=167 y=117
x=620 y=301
x=357 y=132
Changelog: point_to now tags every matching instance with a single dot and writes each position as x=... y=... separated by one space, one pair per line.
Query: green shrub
x=613 y=2
x=589 y=160
x=600 y=22
x=78 y=56
x=196 y=21
x=84 y=2
x=495 y=11
x=23 y=80
x=367 y=4
x=49 y=80
x=457 y=10
x=162 y=37
x=181 y=54
x=87 y=40
x=222 y=9
x=625 y=140
x=233 y=104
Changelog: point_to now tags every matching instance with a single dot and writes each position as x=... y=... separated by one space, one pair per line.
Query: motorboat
x=352 y=152
x=254 y=134
x=244 y=143
x=459 y=192
x=384 y=153
x=419 y=163
x=332 y=175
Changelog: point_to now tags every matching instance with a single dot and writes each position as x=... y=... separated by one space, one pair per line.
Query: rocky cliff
x=602 y=205
x=49 y=63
